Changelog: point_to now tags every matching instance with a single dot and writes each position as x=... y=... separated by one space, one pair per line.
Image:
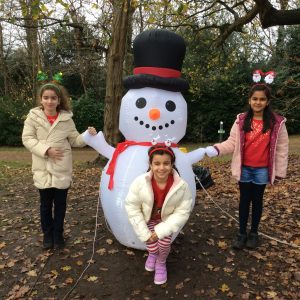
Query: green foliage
x=12 y=116
x=287 y=82
x=88 y=111
x=219 y=85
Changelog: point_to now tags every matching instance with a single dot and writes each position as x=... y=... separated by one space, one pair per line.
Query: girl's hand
x=54 y=153
x=153 y=238
x=92 y=131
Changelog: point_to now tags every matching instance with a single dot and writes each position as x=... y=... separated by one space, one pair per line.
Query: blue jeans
x=255 y=175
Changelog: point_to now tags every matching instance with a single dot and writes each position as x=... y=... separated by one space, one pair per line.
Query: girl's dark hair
x=161 y=150
x=268 y=116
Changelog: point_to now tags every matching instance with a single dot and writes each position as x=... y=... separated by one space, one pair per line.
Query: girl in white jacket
x=49 y=133
x=158 y=204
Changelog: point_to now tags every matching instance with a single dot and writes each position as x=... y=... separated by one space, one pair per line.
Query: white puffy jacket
x=38 y=136
x=175 y=212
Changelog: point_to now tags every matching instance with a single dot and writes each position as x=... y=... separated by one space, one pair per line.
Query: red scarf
x=119 y=149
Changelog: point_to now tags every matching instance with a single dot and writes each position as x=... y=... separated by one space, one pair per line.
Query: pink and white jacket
x=279 y=142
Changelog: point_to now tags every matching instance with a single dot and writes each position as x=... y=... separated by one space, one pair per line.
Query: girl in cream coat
x=158 y=204
x=49 y=133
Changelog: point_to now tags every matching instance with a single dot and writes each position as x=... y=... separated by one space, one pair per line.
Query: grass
x=19 y=157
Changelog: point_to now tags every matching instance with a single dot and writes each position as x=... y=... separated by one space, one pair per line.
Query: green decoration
x=41 y=76
x=57 y=77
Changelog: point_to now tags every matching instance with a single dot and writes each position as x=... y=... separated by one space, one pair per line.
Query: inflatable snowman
x=152 y=111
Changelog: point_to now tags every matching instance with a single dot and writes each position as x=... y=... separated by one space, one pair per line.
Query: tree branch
x=270 y=16
x=237 y=25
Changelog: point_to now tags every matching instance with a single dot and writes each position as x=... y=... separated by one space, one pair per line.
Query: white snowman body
x=138 y=123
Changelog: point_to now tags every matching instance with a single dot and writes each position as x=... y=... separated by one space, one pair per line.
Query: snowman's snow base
x=132 y=163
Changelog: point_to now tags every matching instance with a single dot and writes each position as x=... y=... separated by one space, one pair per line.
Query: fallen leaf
x=69 y=280
x=54 y=273
x=101 y=251
x=135 y=292
x=11 y=263
x=109 y=241
x=179 y=286
x=66 y=268
x=296 y=242
x=53 y=287
x=92 y=278
x=271 y=294
x=113 y=251
x=32 y=273
x=224 y=288
x=222 y=245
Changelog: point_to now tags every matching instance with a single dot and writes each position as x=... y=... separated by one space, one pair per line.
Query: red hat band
x=161 y=72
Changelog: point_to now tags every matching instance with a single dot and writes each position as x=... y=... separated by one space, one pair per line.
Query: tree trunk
x=79 y=43
x=3 y=68
x=280 y=48
x=31 y=29
x=115 y=61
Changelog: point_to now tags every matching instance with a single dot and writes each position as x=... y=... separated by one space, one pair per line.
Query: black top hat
x=158 y=56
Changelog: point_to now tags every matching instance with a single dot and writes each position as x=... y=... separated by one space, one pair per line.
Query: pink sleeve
x=227 y=147
x=282 y=149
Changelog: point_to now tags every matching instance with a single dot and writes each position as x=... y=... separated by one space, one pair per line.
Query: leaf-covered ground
x=202 y=264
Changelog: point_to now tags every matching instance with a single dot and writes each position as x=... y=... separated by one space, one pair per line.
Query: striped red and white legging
x=161 y=247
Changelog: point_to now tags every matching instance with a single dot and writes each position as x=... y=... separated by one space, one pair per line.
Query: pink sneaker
x=150 y=262
x=160 y=276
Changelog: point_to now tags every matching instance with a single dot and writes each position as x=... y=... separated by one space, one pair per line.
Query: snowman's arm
x=99 y=143
x=196 y=155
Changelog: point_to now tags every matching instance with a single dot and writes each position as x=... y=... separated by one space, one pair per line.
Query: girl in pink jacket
x=259 y=143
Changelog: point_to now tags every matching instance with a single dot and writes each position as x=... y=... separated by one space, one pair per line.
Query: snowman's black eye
x=141 y=102
x=170 y=105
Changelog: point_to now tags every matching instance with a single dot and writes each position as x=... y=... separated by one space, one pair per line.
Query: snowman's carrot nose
x=154 y=114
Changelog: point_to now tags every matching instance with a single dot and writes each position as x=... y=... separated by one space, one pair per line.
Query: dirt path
x=202 y=264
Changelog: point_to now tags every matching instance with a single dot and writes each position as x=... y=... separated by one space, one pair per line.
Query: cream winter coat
x=175 y=212
x=38 y=136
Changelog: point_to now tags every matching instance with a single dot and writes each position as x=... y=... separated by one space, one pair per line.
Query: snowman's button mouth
x=160 y=127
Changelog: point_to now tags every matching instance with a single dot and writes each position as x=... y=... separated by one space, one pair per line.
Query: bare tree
x=115 y=60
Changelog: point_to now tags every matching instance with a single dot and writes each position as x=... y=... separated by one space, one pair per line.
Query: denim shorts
x=255 y=175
